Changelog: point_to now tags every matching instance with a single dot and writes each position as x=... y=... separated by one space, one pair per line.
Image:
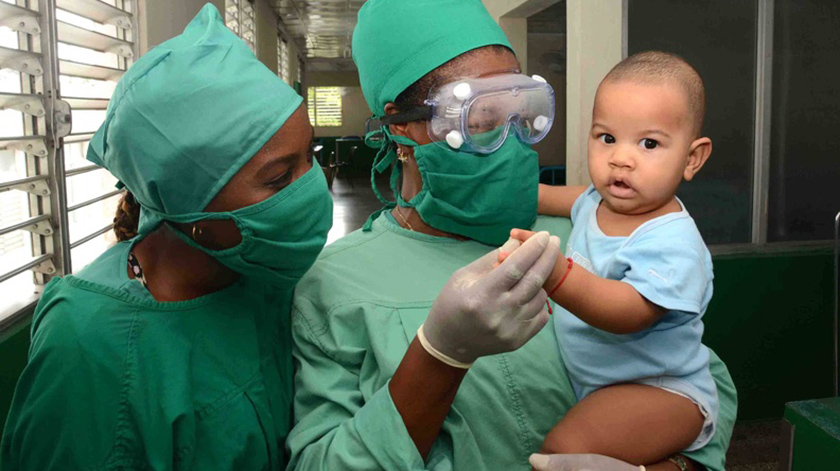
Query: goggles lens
x=478 y=114
x=527 y=111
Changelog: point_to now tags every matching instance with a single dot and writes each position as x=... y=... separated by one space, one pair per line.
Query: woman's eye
x=281 y=181
x=607 y=138
x=649 y=144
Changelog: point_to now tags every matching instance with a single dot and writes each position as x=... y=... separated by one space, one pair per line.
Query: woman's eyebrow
x=269 y=168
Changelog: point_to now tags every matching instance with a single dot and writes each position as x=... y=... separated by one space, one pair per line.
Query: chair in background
x=325 y=162
x=342 y=157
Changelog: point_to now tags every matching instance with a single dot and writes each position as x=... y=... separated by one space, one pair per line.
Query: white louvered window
x=232 y=15
x=324 y=106
x=59 y=64
x=249 y=25
x=240 y=18
x=283 y=59
x=301 y=65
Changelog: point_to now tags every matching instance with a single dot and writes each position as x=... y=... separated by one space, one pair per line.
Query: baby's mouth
x=620 y=189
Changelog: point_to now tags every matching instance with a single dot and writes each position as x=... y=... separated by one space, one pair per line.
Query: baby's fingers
x=521 y=234
x=506 y=250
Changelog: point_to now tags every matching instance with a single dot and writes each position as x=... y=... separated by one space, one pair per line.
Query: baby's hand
x=521 y=234
x=506 y=250
x=517 y=238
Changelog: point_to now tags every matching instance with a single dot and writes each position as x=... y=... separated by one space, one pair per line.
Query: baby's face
x=639 y=145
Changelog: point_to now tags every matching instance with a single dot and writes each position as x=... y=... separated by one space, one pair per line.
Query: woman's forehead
x=483 y=62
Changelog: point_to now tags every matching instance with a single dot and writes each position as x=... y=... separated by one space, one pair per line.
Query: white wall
x=516 y=29
x=267 y=31
x=354 y=113
x=512 y=16
x=348 y=78
x=354 y=108
x=163 y=19
x=266 y=34
x=596 y=41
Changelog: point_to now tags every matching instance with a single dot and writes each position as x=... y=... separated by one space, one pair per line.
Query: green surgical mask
x=479 y=196
x=281 y=236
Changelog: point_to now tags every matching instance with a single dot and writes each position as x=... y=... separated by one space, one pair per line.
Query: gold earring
x=402 y=156
x=197 y=232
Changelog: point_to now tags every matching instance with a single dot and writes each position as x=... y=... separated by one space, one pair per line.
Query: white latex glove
x=484 y=310
x=579 y=463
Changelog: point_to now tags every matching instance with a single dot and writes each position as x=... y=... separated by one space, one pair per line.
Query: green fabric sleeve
x=44 y=430
x=713 y=455
x=336 y=428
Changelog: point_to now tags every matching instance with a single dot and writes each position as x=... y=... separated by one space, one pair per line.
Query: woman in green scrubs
x=369 y=392
x=172 y=350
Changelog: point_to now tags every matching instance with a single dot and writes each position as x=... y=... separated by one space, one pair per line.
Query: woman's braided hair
x=127 y=220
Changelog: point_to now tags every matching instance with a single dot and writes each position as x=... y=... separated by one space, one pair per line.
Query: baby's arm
x=609 y=305
x=558 y=200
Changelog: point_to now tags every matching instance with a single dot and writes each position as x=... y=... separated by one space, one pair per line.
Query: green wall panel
x=771 y=320
x=14 y=349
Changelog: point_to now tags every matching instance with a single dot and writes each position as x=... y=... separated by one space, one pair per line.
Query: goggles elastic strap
x=420 y=113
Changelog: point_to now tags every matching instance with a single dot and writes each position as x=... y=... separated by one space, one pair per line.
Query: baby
x=639 y=276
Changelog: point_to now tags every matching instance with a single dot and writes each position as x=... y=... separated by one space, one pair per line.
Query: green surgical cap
x=188 y=115
x=397 y=42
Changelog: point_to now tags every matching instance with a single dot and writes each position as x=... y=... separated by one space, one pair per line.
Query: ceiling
x=321 y=28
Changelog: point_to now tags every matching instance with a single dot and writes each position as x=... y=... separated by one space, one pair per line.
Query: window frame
x=49 y=209
x=312 y=105
x=238 y=19
x=283 y=65
x=760 y=176
x=765 y=17
x=300 y=69
x=598 y=39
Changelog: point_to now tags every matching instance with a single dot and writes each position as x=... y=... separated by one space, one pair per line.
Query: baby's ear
x=698 y=153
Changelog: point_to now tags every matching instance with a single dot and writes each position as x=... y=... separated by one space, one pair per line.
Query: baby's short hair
x=653 y=67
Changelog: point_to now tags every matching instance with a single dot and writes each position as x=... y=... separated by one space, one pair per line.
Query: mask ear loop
x=380 y=139
x=384 y=158
x=396 y=174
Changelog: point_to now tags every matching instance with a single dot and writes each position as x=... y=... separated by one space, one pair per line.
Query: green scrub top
x=117 y=380
x=354 y=315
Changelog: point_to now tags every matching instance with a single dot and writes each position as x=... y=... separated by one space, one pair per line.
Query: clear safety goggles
x=478 y=114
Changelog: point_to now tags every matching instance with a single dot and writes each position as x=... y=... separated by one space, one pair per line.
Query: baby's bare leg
x=632 y=422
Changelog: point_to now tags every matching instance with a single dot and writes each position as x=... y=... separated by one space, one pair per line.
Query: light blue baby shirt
x=667 y=262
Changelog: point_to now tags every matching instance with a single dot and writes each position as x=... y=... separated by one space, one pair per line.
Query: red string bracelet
x=571 y=263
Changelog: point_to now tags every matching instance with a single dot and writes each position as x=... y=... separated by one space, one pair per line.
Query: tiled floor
x=353 y=203
x=755 y=445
